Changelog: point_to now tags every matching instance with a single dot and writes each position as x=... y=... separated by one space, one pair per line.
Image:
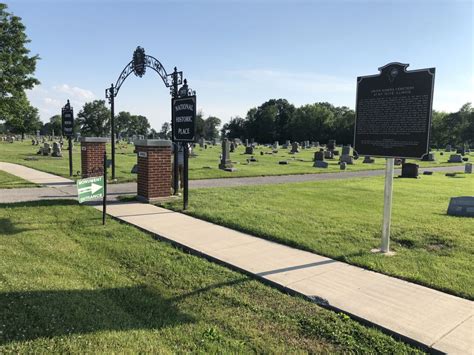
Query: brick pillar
x=154 y=169
x=92 y=156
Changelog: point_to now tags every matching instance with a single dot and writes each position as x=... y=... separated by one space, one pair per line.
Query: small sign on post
x=393 y=120
x=90 y=189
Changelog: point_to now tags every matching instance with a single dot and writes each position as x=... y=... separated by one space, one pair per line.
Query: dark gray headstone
x=468 y=168
x=249 y=149
x=368 y=160
x=343 y=165
x=455 y=158
x=409 y=170
x=319 y=156
x=461 y=206
x=320 y=164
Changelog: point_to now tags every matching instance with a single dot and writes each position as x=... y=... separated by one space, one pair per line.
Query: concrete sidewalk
x=430 y=318
x=439 y=321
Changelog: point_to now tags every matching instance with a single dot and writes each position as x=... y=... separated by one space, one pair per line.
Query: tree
x=16 y=68
x=165 y=132
x=122 y=122
x=94 y=119
x=54 y=124
x=235 y=128
x=211 y=125
x=138 y=125
x=26 y=119
x=199 y=125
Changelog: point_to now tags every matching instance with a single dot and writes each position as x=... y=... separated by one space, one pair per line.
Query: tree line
x=279 y=120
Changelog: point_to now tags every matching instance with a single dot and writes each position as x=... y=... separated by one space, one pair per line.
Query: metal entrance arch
x=138 y=65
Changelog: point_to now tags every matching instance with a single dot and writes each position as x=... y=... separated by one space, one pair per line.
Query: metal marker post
x=176 y=145
x=387 y=207
x=185 y=176
x=104 y=199
x=112 y=121
x=70 y=155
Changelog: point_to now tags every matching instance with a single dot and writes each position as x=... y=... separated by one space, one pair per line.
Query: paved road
x=56 y=187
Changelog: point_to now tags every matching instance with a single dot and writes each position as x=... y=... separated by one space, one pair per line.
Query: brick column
x=154 y=169
x=92 y=156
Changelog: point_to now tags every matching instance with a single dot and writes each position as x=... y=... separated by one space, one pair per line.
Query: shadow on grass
x=42 y=203
x=47 y=314
x=7 y=227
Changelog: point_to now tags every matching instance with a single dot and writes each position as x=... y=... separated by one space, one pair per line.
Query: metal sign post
x=387 y=205
x=185 y=175
x=393 y=120
x=104 y=198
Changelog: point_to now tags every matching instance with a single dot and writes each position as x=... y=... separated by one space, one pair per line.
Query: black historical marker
x=184 y=119
x=393 y=112
x=67 y=120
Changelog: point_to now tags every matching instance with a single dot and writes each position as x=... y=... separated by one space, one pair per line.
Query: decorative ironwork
x=137 y=65
x=138 y=60
x=185 y=90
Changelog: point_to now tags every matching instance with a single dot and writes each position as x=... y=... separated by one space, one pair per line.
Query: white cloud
x=74 y=91
x=49 y=100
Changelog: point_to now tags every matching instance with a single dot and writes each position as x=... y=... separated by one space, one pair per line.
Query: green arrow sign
x=90 y=188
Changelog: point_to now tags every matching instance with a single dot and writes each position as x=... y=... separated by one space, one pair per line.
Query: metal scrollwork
x=137 y=65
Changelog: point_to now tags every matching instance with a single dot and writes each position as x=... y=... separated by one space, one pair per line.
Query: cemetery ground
x=69 y=284
x=342 y=219
x=203 y=166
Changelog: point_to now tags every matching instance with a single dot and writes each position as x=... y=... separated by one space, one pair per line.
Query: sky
x=239 y=54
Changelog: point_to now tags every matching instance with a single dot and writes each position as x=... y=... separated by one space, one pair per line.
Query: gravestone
x=33 y=142
x=428 y=157
x=409 y=170
x=343 y=165
x=232 y=147
x=328 y=154
x=249 y=149
x=331 y=144
x=46 y=149
x=461 y=206
x=468 y=168
x=398 y=161
x=201 y=142
x=318 y=156
x=57 y=150
x=346 y=150
x=225 y=163
x=246 y=142
x=347 y=159
x=455 y=158
x=319 y=160
x=448 y=148
x=276 y=145
x=294 y=148
x=461 y=151
x=368 y=160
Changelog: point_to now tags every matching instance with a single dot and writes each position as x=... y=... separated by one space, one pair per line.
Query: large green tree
x=94 y=119
x=16 y=68
x=54 y=125
x=26 y=119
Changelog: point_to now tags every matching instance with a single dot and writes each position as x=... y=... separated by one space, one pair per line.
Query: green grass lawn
x=342 y=219
x=8 y=181
x=204 y=166
x=70 y=285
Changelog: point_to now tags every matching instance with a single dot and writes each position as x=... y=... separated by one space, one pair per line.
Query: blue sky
x=238 y=54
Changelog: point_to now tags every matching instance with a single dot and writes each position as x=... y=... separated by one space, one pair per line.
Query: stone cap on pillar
x=153 y=143
x=95 y=140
